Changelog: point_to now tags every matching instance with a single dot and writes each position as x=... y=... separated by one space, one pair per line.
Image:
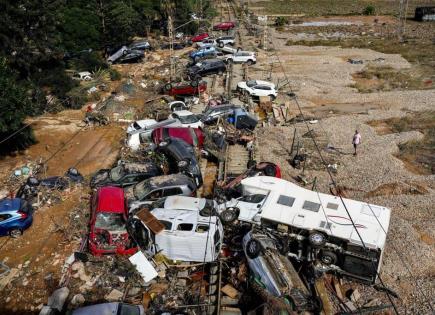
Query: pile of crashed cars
x=239 y=248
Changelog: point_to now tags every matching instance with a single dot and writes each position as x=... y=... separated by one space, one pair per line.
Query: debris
x=355 y=296
x=143 y=266
x=114 y=295
x=78 y=299
x=8 y=278
x=355 y=61
x=57 y=299
x=229 y=290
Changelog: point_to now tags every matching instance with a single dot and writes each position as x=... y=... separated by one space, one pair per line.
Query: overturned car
x=317 y=228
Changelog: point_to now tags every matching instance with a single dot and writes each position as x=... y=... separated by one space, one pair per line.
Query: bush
x=89 y=61
x=369 y=10
x=281 y=21
x=114 y=74
x=77 y=97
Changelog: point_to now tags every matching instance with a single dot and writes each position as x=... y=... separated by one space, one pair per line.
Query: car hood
x=242 y=85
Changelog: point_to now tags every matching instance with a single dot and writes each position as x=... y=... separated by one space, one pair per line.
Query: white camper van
x=316 y=226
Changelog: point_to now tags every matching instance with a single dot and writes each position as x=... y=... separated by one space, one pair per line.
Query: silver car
x=113 y=308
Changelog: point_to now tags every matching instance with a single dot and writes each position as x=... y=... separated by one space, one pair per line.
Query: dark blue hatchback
x=16 y=215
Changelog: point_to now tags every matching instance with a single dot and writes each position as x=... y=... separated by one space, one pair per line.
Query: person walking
x=356 y=141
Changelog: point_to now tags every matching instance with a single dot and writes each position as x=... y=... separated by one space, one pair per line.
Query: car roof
x=143 y=167
x=183 y=216
x=111 y=199
x=101 y=309
x=169 y=180
x=184 y=202
x=8 y=204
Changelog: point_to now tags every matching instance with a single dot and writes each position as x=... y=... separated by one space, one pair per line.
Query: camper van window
x=286 y=200
x=202 y=228
x=185 y=227
x=167 y=224
x=332 y=206
x=311 y=206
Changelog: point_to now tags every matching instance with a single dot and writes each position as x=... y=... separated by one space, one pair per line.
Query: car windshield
x=251 y=83
x=257 y=198
x=136 y=126
x=127 y=309
x=110 y=221
x=190 y=119
x=116 y=173
x=141 y=189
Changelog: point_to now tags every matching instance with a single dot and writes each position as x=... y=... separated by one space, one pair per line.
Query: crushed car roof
x=111 y=199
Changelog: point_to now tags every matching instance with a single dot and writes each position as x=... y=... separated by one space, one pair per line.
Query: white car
x=187 y=119
x=225 y=40
x=187 y=234
x=258 y=88
x=242 y=57
x=245 y=208
x=206 y=42
x=140 y=131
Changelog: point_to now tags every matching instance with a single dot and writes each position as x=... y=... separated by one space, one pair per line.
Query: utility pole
x=265 y=37
x=403 y=10
x=171 y=48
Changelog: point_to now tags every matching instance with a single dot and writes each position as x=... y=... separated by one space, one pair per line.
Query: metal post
x=171 y=48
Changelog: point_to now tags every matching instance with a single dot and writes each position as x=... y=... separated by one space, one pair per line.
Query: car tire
x=253 y=248
x=269 y=170
x=15 y=233
x=168 y=87
x=194 y=83
x=250 y=62
x=251 y=163
x=163 y=143
x=317 y=239
x=229 y=215
x=328 y=258
x=220 y=72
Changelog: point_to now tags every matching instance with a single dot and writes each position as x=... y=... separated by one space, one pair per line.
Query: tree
x=14 y=106
x=123 y=22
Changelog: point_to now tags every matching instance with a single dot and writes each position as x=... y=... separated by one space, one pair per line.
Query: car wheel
x=269 y=170
x=163 y=144
x=220 y=72
x=183 y=164
x=317 y=239
x=249 y=62
x=168 y=87
x=229 y=215
x=328 y=258
x=194 y=83
x=251 y=163
x=15 y=233
x=221 y=44
x=253 y=248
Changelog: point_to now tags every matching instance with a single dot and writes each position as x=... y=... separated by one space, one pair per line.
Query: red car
x=185 y=88
x=108 y=232
x=224 y=26
x=199 y=37
x=193 y=136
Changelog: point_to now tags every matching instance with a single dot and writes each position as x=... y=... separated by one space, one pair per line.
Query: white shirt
x=356 y=139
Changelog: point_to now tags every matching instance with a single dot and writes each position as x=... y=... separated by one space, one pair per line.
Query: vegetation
x=334 y=7
x=369 y=10
x=42 y=38
x=417 y=154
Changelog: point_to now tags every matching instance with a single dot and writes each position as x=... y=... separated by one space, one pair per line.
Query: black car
x=140 y=45
x=125 y=174
x=181 y=157
x=206 y=67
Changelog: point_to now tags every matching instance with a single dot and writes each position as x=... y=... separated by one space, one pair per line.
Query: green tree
x=123 y=23
x=14 y=106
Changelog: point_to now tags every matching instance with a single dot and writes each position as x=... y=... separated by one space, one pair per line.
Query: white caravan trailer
x=316 y=226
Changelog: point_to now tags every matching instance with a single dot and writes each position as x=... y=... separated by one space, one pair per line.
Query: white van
x=186 y=236
x=316 y=226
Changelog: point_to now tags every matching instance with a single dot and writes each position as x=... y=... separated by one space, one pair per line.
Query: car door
x=249 y=206
x=5 y=220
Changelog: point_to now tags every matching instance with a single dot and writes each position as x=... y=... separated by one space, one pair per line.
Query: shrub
x=369 y=10
x=77 y=97
x=114 y=74
x=281 y=21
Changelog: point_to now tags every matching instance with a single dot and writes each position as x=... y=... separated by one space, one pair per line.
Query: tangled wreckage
x=167 y=240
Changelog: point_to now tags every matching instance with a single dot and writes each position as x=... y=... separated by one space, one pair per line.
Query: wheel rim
x=229 y=215
x=327 y=260
x=15 y=233
x=317 y=239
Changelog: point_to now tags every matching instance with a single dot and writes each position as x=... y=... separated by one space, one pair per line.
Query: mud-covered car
x=125 y=174
x=107 y=226
x=274 y=273
x=160 y=186
x=181 y=157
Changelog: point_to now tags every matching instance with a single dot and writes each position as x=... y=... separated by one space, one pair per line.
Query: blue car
x=203 y=52
x=16 y=215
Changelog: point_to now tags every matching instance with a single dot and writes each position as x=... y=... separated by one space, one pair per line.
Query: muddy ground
x=323 y=79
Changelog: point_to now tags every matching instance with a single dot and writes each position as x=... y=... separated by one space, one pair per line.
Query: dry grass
x=334 y=7
x=418 y=155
